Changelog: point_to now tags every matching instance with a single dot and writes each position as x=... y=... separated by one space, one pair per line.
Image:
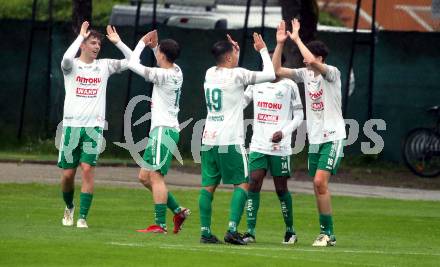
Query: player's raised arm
x=134 y=64
x=155 y=75
x=116 y=65
x=153 y=41
x=268 y=73
x=69 y=55
x=281 y=37
x=113 y=37
x=309 y=58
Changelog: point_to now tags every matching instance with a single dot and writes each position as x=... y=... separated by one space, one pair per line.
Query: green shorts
x=326 y=156
x=79 y=144
x=160 y=147
x=278 y=166
x=226 y=163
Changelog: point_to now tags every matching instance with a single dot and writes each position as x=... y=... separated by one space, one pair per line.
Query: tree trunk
x=307 y=12
x=81 y=11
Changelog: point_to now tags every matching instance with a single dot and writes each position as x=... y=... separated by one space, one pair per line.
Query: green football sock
x=238 y=201
x=326 y=221
x=85 y=201
x=253 y=204
x=68 y=199
x=205 y=206
x=160 y=211
x=172 y=203
x=287 y=211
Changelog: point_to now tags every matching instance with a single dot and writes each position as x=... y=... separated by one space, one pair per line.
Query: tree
x=307 y=11
x=81 y=11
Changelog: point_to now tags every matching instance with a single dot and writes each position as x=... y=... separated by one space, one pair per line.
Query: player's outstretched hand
x=258 y=42
x=84 y=29
x=112 y=35
x=294 y=35
x=277 y=136
x=234 y=43
x=281 y=32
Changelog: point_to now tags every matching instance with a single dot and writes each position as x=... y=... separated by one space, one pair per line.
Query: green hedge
x=62 y=9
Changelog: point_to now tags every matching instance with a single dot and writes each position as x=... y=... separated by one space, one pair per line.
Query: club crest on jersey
x=97 y=69
x=279 y=95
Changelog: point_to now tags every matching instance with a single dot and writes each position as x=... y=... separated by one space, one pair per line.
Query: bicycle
x=421 y=148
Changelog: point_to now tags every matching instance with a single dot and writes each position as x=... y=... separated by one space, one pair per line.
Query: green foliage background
x=62 y=11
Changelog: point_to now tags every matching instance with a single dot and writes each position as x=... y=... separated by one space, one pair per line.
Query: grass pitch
x=370 y=232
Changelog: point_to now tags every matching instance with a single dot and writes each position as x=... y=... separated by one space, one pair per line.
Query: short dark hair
x=170 y=48
x=95 y=34
x=318 y=48
x=221 y=48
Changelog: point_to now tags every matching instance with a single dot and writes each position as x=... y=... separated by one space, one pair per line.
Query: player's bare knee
x=244 y=186
x=144 y=178
x=255 y=185
x=156 y=178
x=210 y=189
x=321 y=186
x=280 y=183
x=68 y=175
x=86 y=168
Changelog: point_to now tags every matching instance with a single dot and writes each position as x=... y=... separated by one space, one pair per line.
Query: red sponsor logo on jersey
x=316 y=95
x=318 y=106
x=269 y=105
x=88 y=80
x=86 y=91
x=267 y=117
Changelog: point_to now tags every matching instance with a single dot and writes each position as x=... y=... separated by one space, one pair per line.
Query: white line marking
x=416 y=8
x=411 y=11
x=158 y=146
x=239 y=250
x=207 y=247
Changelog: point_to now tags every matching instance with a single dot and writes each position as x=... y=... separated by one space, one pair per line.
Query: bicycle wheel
x=421 y=152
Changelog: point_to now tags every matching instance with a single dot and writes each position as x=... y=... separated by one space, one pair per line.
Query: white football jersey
x=224 y=92
x=323 y=104
x=86 y=85
x=166 y=96
x=273 y=109
x=224 y=96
